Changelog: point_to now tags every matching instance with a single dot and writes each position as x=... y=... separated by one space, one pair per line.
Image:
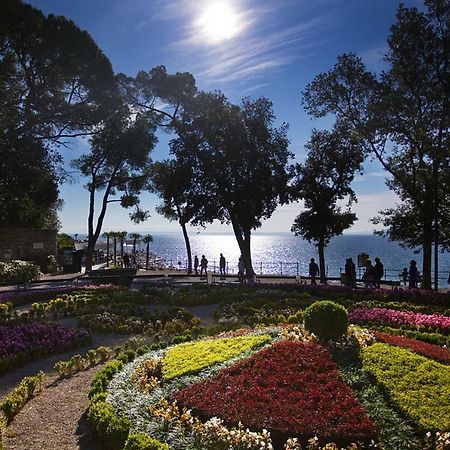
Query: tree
x=117 y=163
x=322 y=181
x=239 y=162
x=135 y=237
x=144 y=92
x=402 y=118
x=147 y=239
x=55 y=83
x=172 y=181
x=122 y=235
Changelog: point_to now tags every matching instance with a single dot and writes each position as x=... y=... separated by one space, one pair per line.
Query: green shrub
x=327 y=320
x=18 y=398
x=112 y=431
x=140 y=441
x=19 y=272
x=296 y=317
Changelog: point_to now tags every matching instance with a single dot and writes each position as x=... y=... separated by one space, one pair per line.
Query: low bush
x=18 y=398
x=19 y=272
x=327 y=320
x=140 y=441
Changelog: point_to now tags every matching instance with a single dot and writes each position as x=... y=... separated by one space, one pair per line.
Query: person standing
x=313 y=271
x=241 y=269
x=413 y=274
x=196 y=264
x=378 y=272
x=222 y=264
x=368 y=277
x=350 y=273
x=203 y=265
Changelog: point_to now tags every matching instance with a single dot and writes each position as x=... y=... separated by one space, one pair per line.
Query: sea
x=286 y=254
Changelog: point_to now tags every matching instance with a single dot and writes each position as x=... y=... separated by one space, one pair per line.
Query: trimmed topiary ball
x=327 y=320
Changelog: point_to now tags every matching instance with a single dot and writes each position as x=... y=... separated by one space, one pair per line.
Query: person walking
x=222 y=264
x=203 y=265
x=378 y=272
x=350 y=273
x=313 y=271
x=405 y=275
x=196 y=264
x=413 y=274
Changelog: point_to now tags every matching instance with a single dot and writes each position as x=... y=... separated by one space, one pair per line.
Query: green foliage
x=192 y=357
x=102 y=377
x=18 y=398
x=327 y=320
x=112 y=431
x=296 y=317
x=141 y=441
x=418 y=386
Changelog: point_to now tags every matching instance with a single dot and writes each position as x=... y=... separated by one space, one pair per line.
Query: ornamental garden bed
x=275 y=387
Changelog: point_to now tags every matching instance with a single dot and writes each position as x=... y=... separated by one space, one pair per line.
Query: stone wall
x=24 y=243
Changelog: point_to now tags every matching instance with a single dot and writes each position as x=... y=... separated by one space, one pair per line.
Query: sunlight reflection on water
x=288 y=254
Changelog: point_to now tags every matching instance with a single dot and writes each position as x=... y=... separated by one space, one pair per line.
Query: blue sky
x=254 y=48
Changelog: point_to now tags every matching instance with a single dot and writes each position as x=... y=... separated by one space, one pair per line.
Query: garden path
x=56 y=418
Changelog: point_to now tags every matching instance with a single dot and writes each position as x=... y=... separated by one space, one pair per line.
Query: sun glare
x=219 y=21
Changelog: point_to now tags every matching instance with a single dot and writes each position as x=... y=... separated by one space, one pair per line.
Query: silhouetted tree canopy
x=322 y=181
x=118 y=166
x=401 y=117
x=54 y=83
x=239 y=161
x=173 y=183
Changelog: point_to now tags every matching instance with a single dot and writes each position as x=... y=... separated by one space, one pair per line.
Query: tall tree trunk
x=427 y=242
x=134 y=246
x=188 y=247
x=147 y=256
x=115 y=251
x=321 y=249
x=121 y=251
x=107 y=251
x=243 y=240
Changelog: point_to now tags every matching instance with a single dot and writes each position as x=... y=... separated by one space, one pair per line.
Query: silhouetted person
x=203 y=265
x=405 y=275
x=378 y=272
x=241 y=269
x=448 y=281
x=222 y=263
x=313 y=271
x=196 y=264
x=350 y=273
x=413 y=274
x=368 y=277
x=126 y=260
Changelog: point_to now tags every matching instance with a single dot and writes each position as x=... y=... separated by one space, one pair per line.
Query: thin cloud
x=266 y=42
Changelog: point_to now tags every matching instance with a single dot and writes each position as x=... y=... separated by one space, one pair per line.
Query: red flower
x=290 y=389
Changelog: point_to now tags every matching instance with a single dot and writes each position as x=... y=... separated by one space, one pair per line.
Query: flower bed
x=20 y=343
x=288 y=388
x=397 y=319
x=422 y=348
x=420 y=387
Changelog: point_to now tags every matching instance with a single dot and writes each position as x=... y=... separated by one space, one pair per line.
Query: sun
x=219 y=22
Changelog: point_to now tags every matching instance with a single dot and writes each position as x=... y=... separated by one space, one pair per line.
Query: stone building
x=26 y=243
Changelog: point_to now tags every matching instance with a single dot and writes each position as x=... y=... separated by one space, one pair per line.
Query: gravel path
x=56 y=418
